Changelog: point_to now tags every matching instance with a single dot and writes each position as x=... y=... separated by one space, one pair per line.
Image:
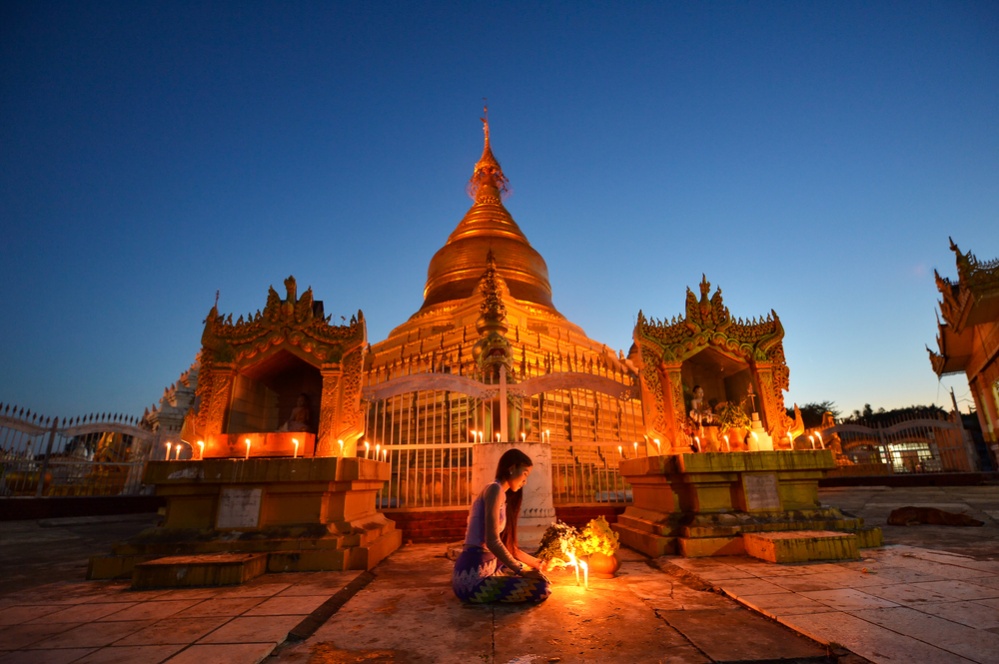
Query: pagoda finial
x=488 y=182
x=485 y=120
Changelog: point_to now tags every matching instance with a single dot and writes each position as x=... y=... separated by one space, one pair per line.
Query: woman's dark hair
x=510 y=460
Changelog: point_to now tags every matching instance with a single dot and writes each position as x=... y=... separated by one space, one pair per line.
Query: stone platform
x=312 y=514
x=700 y=505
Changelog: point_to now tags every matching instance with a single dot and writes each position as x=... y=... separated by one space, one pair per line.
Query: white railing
x=95 y=455
x=919 y=445
x=440 y=476
x=428 y=476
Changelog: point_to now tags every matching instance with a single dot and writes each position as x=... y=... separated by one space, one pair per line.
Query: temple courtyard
x=930 y=595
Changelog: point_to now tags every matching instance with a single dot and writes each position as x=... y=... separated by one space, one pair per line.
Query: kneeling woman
x=491 y=568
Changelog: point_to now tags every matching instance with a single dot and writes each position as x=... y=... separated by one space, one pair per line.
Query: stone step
x=797 y=546
x=214 y=569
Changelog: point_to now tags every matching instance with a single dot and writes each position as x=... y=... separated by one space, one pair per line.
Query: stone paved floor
x=932 y=595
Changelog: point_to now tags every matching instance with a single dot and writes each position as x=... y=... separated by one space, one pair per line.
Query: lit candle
x=811 y=440
x=497 y=438
x=822 y=443
x=636 y=448
x=385 y=454
x=340 y=442
x=697 y=443
x=176 y=454
x=658 y=444
x=548 y=435
x=168 y=446
x=295 y=453
x=201 y=450
x=728 y=446
x=247 y=448
x=620 y=451
x=378 y=451
x=523 y=436
x=367 y=450
x=586 y=574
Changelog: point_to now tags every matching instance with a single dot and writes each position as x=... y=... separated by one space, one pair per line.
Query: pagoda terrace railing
x=439 y=476
x=922 y=445
x=85 y=456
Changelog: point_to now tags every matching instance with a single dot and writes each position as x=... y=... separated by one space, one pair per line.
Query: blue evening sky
x=810 y=158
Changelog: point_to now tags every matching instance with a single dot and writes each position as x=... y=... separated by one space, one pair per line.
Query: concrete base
x=801 y=546
x=312 y=514
x=222 y=569
x=700 y=505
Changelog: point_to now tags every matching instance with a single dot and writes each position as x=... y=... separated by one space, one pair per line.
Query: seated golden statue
x=301 y=416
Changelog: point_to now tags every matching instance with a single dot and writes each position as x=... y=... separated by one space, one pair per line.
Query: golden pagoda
x=430 y=380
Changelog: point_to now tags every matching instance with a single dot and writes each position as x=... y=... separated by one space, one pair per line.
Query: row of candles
x=382 y=454
x=479 y=436
x=176 y=449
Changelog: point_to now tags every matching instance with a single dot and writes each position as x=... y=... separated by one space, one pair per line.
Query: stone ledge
x=798 y=546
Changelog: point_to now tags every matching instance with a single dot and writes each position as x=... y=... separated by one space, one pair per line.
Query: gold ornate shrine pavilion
x=968 y=336
x=487 y=356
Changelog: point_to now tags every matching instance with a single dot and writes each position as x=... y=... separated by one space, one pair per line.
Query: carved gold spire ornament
x=455 y=269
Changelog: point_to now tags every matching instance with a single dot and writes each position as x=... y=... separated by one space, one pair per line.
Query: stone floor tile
x=723 y=574
x=228 y=653
x=172 y=630
x=868 y=640
x=318 y=583
x=193 y=593
x=220 y=606
x=95 y=635
x=888 y=574
x=753 y=637
x=578 y=625
x=976 y=645
x=252 y=589
x=811 y=583
x=131 y=654
x=960 y=589
x=19 y=636
x=253 y=629
x=776 y=603
x=17 y=614
x=736 y=587
x=78 y=613
x=904 y=593
x=155 y=610
x=848 y=599
x=57 y=656
x=287 y=605
x=970 y=613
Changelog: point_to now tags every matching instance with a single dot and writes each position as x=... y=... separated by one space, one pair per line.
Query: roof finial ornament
x=485 y=120
x=488 y=183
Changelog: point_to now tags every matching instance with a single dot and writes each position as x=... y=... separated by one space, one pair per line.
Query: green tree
x=811 y=413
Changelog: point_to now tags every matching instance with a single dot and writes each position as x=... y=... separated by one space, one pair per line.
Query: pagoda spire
x=488 y=183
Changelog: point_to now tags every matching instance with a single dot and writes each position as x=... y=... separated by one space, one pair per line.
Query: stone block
x=223 y=569
x=797 y=546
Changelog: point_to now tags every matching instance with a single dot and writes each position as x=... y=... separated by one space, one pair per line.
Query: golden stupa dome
x=457 y=267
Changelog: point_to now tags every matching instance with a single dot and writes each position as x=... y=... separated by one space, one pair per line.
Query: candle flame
x=201 y=449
